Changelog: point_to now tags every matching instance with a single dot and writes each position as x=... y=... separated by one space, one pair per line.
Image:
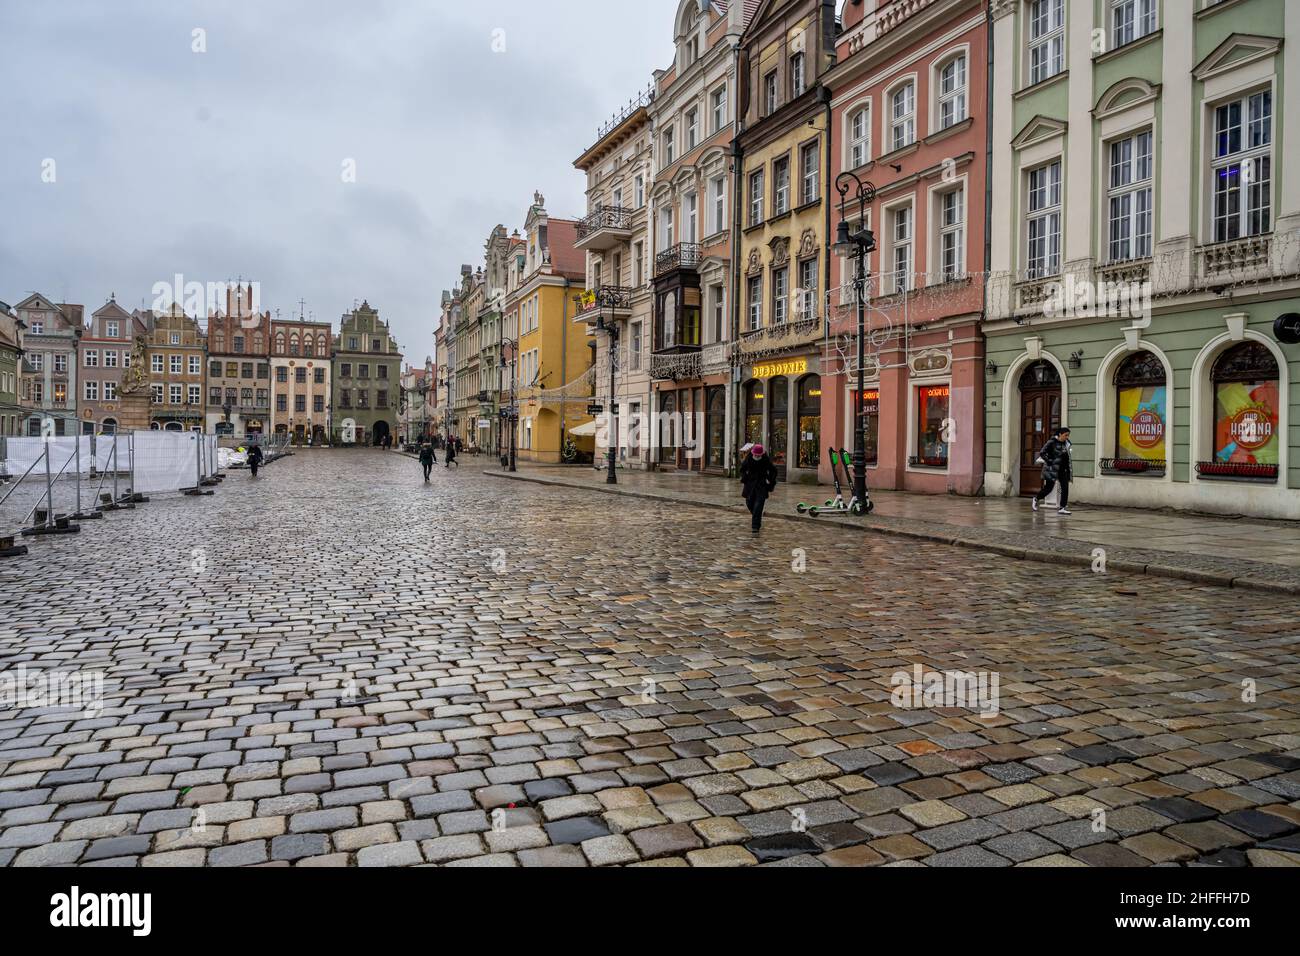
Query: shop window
x=778 y=424
x=932 y=407
x=810 y=421
x=668 y=428
x=715 y=429
x=1246 y=415
x=1141 y=414
x=754 y=395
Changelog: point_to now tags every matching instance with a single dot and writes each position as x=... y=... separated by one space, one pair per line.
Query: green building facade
x=366 y=376
x=1149 y=244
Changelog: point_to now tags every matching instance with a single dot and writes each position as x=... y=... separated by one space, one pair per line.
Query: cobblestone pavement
x=1231 y=551
x=337 y=665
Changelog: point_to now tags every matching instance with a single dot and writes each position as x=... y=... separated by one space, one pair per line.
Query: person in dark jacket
x=1057 y=469
x=426 y=460
x=450 y=453
x=758 y=480
x=254 y=459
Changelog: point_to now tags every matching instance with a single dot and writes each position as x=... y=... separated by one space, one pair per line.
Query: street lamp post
x=611 y=430
x=513 y=412
x=857 y=245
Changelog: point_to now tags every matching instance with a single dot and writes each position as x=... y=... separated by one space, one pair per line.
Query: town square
x=742 y=435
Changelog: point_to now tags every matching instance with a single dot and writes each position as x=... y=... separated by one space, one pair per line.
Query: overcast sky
x=230 y=162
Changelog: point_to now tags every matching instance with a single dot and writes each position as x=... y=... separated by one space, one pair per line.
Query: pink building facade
x=908 y=115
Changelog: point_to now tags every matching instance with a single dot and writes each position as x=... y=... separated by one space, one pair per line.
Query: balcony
x=684 y=255
x=608 y=302
x=605 y=228
x=1236 y=260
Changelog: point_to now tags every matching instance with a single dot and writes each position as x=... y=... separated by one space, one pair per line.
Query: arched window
x=279 y=343
x=257 y=343
x=1141 y=409
x=860 y=136
x=1246 y=412
x=810 y=421
x=1041 y=374
x=294 y=347
x=754 y=396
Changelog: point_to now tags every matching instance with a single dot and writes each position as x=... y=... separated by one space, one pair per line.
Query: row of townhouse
x=1078 y=219
x=242 y=373
x=512 y=367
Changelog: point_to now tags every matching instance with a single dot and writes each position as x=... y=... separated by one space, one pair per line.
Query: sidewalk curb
x=1041 y=555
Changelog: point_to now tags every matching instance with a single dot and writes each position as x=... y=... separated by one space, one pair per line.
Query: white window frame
x=757 y=196
x=176 y=364
x=1131 y=20
x=906 y=121
x=718 y=205
x=175 y=395
x=690 y=217
x=958 y=97
x=1044 y=31
x=1050 y=212
x=91 y=359
x=110 y=358
x=946 y=234
x=156 y=364
x=780 y=193
x=110 y=391
x=196 y=364
x=670 y=146
x=91 y=390
x=692 y=128
x=807 y=305
x=113 y=329
x=895 y=243
x=798 y=75
x=1257 y=156
x=857 y=145
x=781 y=295
x=1134 y=244
x=771 y=92
x=811 y=177
x=718 y=102
x=754 y=302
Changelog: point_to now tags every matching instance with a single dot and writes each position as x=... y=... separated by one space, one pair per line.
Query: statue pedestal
x=133 y=411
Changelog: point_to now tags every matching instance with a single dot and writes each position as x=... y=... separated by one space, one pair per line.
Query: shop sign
x=789 y=367
x=1146 y=429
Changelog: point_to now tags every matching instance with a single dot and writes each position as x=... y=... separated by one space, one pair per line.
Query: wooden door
x=1040 y=417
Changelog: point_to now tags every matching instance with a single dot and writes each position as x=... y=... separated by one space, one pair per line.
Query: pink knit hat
x=757 y=451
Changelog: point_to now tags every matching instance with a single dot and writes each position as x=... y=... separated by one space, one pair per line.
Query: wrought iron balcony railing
x=606 y=299
x=684 y=255
x=606 y=217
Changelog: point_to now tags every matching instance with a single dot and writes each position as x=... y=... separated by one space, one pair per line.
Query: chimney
x=736 y=16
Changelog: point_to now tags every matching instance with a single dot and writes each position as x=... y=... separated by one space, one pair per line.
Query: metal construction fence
x=47 y=483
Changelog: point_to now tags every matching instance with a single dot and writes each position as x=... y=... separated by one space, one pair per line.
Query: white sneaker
x=1064 y=511
x=1034 y=502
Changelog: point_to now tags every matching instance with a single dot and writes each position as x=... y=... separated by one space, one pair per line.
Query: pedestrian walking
x=255 y=459
x=1057 y=469
x=426 y=460
x=758 y=480
x=450 y=454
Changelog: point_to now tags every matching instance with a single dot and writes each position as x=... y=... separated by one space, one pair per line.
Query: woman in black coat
x=1057 y=467
x=758 y=480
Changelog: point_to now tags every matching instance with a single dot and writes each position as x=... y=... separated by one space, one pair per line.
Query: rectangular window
x=638 y=264
x=232 y=370
x=110 y=391
x=719 y=108
x=669 y=146
x=691 y=225
x=37 y=360
x=196 y=364
x=345 y=370
x=770 y=93
x=638 y=191
x=300 y=403
x=381 y=371
x=932 y=403
x=1046 y=39
x=92 y=358
x=756 y=198
x=300 y=376
x=1131 y=20
x=807 y=302
x=61 y=363
x=1129 y=198
x=1044 y=221
x=902 y=122
x=214 y=396
x=781 y=186
x=810 y=167
x=952 y=218
x=246 y=370
x=113 y=330
x=194 y=394
x=318 y=403
x=1242 y=167
x=92 y=391
x=692 y=129
x=798 y=80
x=175 y=363
x=718 y=192
x=156 y=394
x=952 y=92
x=755 y=303
x=214 y=370
x=110 y=358
x=780 y=295
x=320 y=376
x=634 y=347
x=282 y=402
x=174 y=394
x=902 y=246
x=718 y=296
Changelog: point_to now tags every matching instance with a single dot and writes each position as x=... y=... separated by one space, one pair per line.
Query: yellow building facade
x=554 y=363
